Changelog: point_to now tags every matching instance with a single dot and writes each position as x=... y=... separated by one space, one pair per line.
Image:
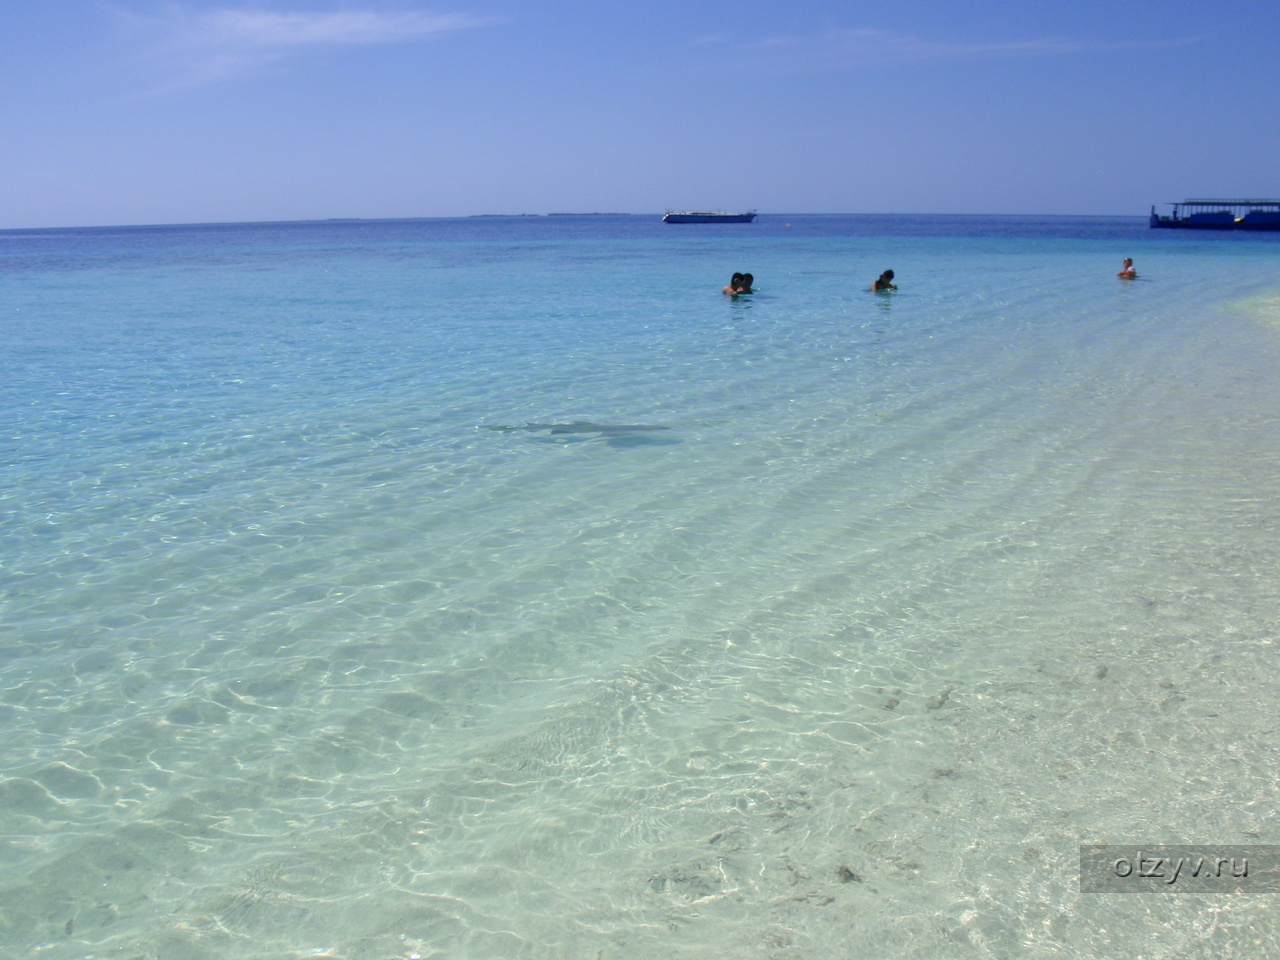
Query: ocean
x=498 y=588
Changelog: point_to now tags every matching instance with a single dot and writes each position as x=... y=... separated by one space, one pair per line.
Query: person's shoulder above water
x=1127 y=272
x=739 y=283
x=885 y=282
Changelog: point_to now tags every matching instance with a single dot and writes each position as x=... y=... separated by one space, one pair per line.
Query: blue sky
x=135 y=111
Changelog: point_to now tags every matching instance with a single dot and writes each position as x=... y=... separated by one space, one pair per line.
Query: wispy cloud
x=203 y=46
x=849 y=46
x=264 y=29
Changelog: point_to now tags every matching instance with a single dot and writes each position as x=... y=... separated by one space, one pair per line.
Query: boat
x=1221 y=215
x=706 y=216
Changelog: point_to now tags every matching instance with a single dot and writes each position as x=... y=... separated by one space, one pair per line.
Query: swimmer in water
x=1127 y=272
x=884 y=283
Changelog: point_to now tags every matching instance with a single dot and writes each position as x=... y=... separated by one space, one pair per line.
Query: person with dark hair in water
x=739 y=283
x=884 y=283
x=1127 y=272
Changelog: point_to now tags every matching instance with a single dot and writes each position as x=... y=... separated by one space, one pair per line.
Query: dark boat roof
x=1229 y=203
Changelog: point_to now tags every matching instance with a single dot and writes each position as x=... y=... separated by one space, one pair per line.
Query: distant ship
x=705 y=216
x=1221 y=215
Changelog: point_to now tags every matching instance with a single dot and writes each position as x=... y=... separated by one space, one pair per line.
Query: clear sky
x=137 y=111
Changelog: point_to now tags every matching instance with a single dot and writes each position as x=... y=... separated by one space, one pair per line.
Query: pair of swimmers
x=1127 y=272
x=741 y=283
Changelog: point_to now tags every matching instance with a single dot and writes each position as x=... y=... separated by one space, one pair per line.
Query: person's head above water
x=884 y=282
x=747 y=281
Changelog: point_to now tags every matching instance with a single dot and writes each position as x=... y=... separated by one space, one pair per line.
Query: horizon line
x=477 y=216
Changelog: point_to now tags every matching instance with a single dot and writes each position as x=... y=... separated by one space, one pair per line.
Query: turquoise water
x=302 y=654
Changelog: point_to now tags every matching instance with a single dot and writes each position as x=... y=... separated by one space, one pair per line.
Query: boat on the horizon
x=707 y=216
x=1221 y=215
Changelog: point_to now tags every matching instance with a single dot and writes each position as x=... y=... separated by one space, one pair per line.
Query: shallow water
x=914 y=594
